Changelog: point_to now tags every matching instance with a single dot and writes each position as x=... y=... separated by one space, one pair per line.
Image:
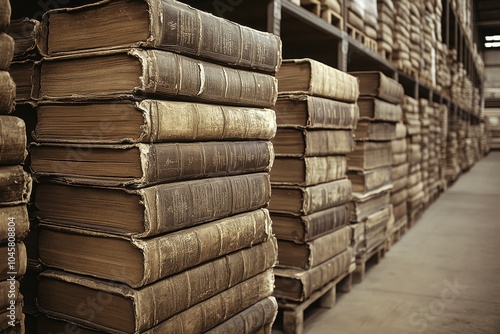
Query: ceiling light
x=492 y=38
x=492 y=45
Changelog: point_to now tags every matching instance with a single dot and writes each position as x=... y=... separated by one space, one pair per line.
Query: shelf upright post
x=274 y=17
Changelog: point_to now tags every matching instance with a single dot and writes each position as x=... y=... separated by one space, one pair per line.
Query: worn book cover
x=306 y=200
x=377 y=84
x=6 y=51
x=139 y=73
x=310 y=77
x=293 y=142
x=137 y=310
x=298 y=285
x=15 y=184
x=12 y=140
x=162 y=24
x=370 y=180
x=149 y=121
x=141 y=165
x=369 y=155
x=7 y=93
x=15 y=221
x=301 y=229
x=24 y=32
x=374 y=109
x=315 y=112
x=311 y=254
x=308 y=171
x=153 y=210
x=150 y=260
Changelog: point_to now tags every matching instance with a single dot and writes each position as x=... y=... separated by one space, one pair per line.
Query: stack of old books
x=399 y=178
x=435 y=127
x=316 y=114
x=415 y=28
x=425 y=120
x=386 y=18
x=154 y=165
x=22 y=70
x=356 y=15
x=452 y=166
x=371 y=19
x=15 y=189
x=370 y=164
x=415 y=186
x=443 y=134
x=401 y=35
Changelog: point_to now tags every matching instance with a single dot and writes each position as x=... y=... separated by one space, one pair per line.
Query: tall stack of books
x=22 y=70
x=415 y=28
x=399 y=178
x=425 y=120
x=371 y=19
x=153 y=155
x=15 y=189
x=370 y=164
x=443 y=123
x=356 y=14
x=414 y=138
x=434 y=151
x=386 y=19
x=452 y=166
x=402 y=25
x=316 y=113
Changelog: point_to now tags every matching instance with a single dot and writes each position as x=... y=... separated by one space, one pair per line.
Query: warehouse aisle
x=441 y=277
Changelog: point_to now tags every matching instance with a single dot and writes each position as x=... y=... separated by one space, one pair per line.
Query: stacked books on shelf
x=316 y=114
x=371 y=19
x=415 y=30
x=386 y=20
x=15 y=189
x=26 y=52
x=153 y=155
x=370 y=164
x=401 y=35
x=425 y=111
x=415 y=185
x=399 y=178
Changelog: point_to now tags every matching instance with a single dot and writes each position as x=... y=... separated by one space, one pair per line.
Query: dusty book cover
x=166 y=24
x=12 y=140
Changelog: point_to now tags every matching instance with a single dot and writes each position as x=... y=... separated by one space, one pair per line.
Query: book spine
x=390 y=90
x=329 y=220
x=170 y=121
x=331 y=114
x=183 y=161
x=251 y=320
x=331 y=83
x=385 y=111
x=7 y=93
x=7 y=51
x=24 y=32
x=326 y=195
x=221 y=307
x=17 y=268
x=328 y=142
x=325 y=169
x=166 y=73
x=15 y=184
x=201 y=283
x=328 y=246
x=181 y=28
x=172 y=253
x=12 y=140
x=5 y=12
x=170 y=207
x=15 y=224
x=312 y=279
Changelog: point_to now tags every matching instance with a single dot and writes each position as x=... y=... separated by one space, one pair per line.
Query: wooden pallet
x=293 y=313
x=332 y=17
x=314 y=6
x=361 y=37
x=376 y=254
x=396 y=235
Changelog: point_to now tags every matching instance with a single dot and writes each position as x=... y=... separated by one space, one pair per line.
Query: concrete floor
x=442 y=277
